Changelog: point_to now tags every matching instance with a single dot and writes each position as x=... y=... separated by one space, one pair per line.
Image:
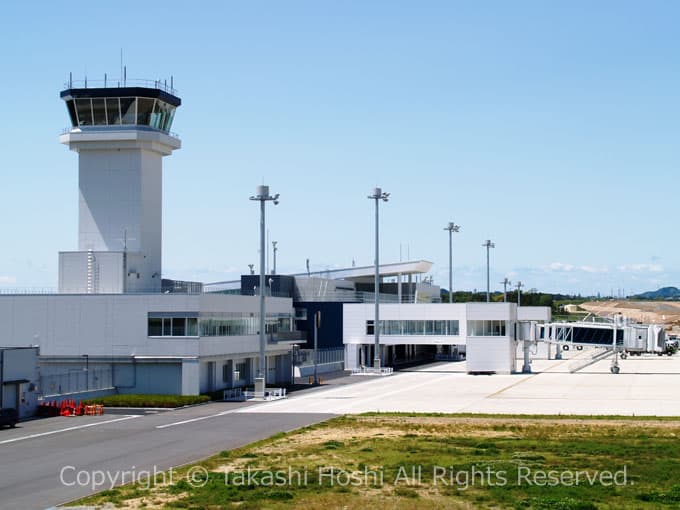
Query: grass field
x=438 y=461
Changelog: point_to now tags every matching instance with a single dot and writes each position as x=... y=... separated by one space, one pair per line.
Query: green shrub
x=132 y=400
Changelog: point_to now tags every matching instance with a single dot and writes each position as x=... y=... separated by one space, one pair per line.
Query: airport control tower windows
x=162 y=116
x=99 y=111
x=112 y=111
x=132 y=107
x=115 y=111
x=84 y=111
x=128 y=109
x=144 y=109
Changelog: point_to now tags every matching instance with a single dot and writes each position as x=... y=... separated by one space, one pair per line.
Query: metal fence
x=76 y=380
x=305 y=357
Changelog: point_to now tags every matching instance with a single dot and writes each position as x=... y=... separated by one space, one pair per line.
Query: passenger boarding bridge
x=617 y=335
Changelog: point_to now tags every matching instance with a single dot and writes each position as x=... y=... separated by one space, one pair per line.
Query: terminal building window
x=486 y=328
x=180 y=326
x=415 y=328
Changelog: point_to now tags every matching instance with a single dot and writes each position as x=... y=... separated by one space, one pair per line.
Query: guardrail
x=241 y=395
x=372 y=371
x=305 y=357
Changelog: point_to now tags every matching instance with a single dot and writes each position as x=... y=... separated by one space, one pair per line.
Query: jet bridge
x=616 y=335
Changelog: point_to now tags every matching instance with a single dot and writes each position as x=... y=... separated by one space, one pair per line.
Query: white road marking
x=77 y=427
x=191 y=420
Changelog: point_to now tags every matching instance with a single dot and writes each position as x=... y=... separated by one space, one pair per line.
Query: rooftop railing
x=117 y=83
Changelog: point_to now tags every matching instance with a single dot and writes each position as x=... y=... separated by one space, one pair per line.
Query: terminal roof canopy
x=367 y=273
x=121 y=106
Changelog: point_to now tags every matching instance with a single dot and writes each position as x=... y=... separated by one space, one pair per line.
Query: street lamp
x=451 y=227
x=519 y=290
x=488 y=245
x=87 y=371
x=262 y=195
x=505 y=284
x=377 y=195
x=274 y=243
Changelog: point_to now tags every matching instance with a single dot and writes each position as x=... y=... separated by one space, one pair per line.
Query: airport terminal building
x=116 y=325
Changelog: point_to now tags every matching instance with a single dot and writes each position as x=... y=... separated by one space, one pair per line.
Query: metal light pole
x=377 y=195
x=488 y=245
x=519 y=291
x=505 y=283
x=87 y=371
x=262 y=195
x=274 y=243
x=317 y=325
x=451 y=227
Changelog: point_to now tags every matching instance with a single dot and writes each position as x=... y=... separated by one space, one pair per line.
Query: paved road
x=33 y=455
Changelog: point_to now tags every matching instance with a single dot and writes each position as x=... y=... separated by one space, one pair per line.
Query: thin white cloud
x=593 y=269
x=559 y=266
x=8 y=280
x=562 y=267
x=640 y=268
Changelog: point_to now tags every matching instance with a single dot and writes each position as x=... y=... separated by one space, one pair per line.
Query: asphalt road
x=48 y=462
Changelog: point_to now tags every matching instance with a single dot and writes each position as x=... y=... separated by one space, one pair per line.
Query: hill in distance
x=662 y=293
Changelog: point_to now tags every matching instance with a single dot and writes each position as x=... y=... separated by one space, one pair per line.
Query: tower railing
x=115 y=83
x=68 y=129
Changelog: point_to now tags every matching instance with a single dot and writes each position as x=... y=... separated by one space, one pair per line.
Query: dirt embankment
x=657 y=312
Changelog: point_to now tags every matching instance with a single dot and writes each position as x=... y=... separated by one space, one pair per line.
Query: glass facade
x=116 y=111
x=240 y=326
x=172 y=326
x=415 y=328
x=486 y=328
x=216 y=325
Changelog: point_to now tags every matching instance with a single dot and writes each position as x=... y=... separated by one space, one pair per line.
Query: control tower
x=121 y=134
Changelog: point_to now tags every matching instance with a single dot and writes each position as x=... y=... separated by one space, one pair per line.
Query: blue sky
x=550 y=128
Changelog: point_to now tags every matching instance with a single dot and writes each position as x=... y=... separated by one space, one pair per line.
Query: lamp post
x=377 y=195
x=519 y=291
x=488 y=245
x=262 y=195
x=451 y=227
x=87 y=371
x=274 y=243
x=505 y=283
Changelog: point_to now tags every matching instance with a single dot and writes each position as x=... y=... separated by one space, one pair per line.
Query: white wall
x=484 y=354
x=491 y=354
x=356 y=315
x=534 y=313
x=116 y=325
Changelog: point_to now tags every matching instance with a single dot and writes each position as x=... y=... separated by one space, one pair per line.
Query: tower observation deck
x=121 y=134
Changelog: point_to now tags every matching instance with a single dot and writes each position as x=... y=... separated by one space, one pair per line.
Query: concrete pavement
x=647 y=385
